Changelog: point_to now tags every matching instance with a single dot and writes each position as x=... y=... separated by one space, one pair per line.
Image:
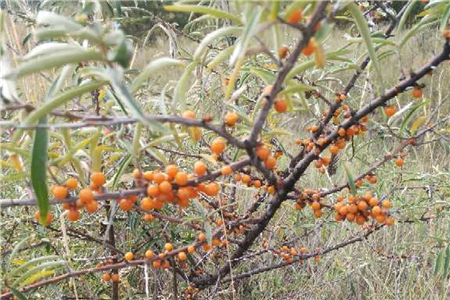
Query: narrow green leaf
x=267 y=76
x=30 y=263
x=180 y=92
x=210 y=37
x=202 y=10
x=445 y=17
x=365 y=33
x=39 y=169
x=406 y=14
x=438 y=265
x=121 y=170
x=153 y=68
x=200 y=208
x=350 y=178
x=208 y=232
x=446 y=261
x=60 y=99
x=17 y=248
x=54 y=60
x=425 y=23
x=44 y=266
x=18 y=294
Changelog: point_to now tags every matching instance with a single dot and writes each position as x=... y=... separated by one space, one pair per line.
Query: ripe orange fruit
x=149 y=254
x=171 y=170
x=98 y=178
x=148 y=175
x=390 y=111
x=136 y=174
x=315 y=205
x=71 y=183
x=212 y=189
x=188 y=114
x=218 y=146
x=262 y=152
x=182 y=256
x=270 y=162
x=156 y=264
x=146 y=203
x=181 y=178
x=201 y=237
x=86 y=195
x=168 y=247
x=191 y=249
x=362 y=206
x=386 y=204
x=153 y=190
x=390 y=221
x=106 y=277
x=399 y=162
x=199 y=168
x=309 y=49
x=166 y=264
x=282 y=52
x=125 y=204
x=73 y=214
x=318 y=213
x=115 y=277
x=334 y=149
x=280 y=105
x=231 y=118
x=129 y=256
x=48 y=220
x=148 y=217
x=257 y=184
x=417 y=92
x=60 y=192
x=159 y=177
x=165 y=187
x=295 y=16
x=376 y=210
x=92 y=206
x=373 y=202
x=226 y=170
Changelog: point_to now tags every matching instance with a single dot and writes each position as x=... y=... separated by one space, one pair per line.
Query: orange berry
x=246 y=178
x=376 y=210
x=390 y=111
x=71 y=183
x=182 y=256
x=98 y=178
x=129 y=256
x=149 y=254
x=386 y=204
x=191 y=249
x=171 y=170
x=201 y=237
x=146 y=203
x=168 y=247
x=231 y=118
x=86 y=195
x=188 y=114
x=148 y=176
x=181 y=178
x=166 y=264
x=148 y=217
x=60 y=192
x=262 y=152
x=92 y=206
x=280 y=105
x=334 y=149
x=282 y=52
x=399 y=162
x=156 y=264
x=218 y=146
x=318 y=214
x=165 y=187
x=270 y=162
x=125 y=204
x=212 y=189
x=373 y=202
x=73 y=214
x=115 y=277
x=390 y=221
x=153 y=190
x=199 y=168
x=257 y=184
x=106 y=277
x=295 y=16
x=417 y=92
x=48 y=220
x=159 y=177
x=309 y=49
x=226 y=170
x=315 y=205
x=362 y=206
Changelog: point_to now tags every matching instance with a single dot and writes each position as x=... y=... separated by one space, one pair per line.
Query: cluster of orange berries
x=264 y=154
x=313 y=199
x=191 y=292
x=289 y=253
x=361 y=209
